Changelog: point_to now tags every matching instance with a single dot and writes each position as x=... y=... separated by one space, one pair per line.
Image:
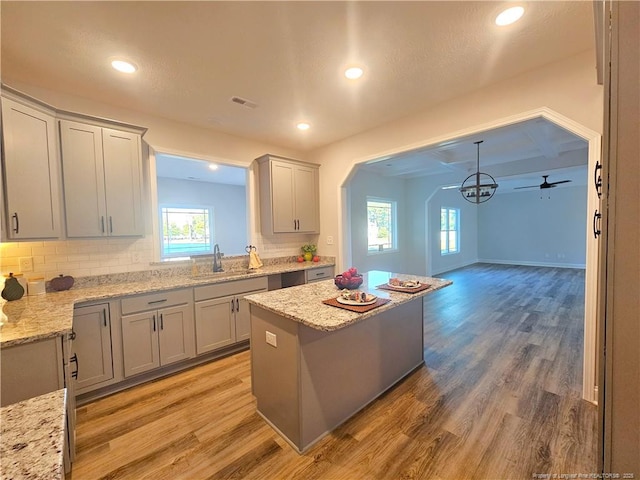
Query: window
x=186 y=231
x=381 y=216
x=449 y=230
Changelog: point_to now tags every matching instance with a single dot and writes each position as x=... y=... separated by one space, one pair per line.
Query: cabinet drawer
x=152 y=301
x=317 y=274
x=225 y=289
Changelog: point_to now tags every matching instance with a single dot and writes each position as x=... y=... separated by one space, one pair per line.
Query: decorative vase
x=12 y=289
x=308 y=256
x=61 y=282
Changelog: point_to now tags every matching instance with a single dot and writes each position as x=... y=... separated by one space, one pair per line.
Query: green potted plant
x=309 y=250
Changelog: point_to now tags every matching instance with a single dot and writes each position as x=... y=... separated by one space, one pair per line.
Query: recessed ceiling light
x=123 y=66
x=303 y=126
x=353 y=73
x=213 y=166
x=509 y=16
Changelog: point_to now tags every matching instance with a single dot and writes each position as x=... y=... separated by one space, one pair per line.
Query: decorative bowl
x=349 y=283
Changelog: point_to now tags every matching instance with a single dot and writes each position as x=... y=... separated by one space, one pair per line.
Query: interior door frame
x=594 y=140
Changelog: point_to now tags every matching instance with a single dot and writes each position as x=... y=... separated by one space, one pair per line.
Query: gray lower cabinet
x=215 y=324
x=157 y=337
x=31 y=369
x=221 y=313
x=92 y=346
x=318 y=274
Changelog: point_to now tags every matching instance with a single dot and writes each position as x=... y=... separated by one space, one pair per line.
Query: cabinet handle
x=110 y=224
x=157 y=301
x=72 y=335
x=102 y=223
x=161 y=321
x=154 y=323
x=321 y=274
x=17 y=227
x=596 y=217
x=237 y=305
x=104 y=313
x=232 y=306
x=74 y=359
x=597 y=178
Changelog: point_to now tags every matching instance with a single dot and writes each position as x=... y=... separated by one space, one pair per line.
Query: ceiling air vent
x=244 y=102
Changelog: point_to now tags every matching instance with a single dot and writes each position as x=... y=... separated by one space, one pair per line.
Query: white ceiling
x=173 y=166
x=287 y=57
x=516 y=155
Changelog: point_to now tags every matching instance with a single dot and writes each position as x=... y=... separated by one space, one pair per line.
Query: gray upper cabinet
x=289 y=198
x=102 y=180
x=32 y=207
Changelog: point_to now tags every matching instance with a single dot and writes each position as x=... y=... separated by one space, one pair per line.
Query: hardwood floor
x=499 y=397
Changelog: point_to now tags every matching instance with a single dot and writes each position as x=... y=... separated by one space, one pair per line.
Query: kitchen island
x=314 y=365
x=32 y=439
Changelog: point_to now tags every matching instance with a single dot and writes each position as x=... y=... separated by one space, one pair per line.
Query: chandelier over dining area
x=478 y=187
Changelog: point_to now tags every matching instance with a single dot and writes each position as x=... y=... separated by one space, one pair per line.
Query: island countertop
x=39 y=317
x=32 y=440
x=303 y=303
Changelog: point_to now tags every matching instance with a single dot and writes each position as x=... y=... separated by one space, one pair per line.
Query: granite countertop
x=45 y=316
x=32 y=440
x=303 y=303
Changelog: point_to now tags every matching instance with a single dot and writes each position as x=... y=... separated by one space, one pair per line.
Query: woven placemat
x=421 y=288
x=357 y=308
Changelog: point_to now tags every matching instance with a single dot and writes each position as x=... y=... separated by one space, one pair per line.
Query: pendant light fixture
x=478 y=187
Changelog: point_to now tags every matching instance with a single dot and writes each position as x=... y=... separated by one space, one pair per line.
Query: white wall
x=229 y=203
x=535 y=227
x=365 y=184
x=468 y=232
x=568 y=87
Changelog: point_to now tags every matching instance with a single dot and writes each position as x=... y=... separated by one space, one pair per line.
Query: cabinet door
x=122 y=166
x=92 y=345
x=176 y=334
x=83 y=174
x=243 y=317
x=215 y=326
x=140 y=343
x=306 y=199
x=282 y=197
x=31 y=172
x=30 y=369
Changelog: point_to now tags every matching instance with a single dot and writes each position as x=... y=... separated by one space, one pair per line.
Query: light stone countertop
x=32 y=439
x=45 y=316
x=303 y=303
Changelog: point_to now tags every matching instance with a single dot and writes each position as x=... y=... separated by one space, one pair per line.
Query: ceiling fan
x=545 y=184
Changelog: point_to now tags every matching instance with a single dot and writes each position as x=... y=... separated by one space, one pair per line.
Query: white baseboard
x=454 y=267
x=532 y=264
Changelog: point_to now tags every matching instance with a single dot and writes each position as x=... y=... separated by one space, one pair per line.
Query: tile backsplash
x=102 y=256
x=79 y=258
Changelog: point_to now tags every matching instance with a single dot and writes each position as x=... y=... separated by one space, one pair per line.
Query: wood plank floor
x=499 y=397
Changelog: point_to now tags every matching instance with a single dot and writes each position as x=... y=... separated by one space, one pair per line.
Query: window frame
x=393 y=221
x=448 y=250
x=185 y=255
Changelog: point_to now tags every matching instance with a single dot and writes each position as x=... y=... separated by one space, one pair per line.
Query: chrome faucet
x=217 y=259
